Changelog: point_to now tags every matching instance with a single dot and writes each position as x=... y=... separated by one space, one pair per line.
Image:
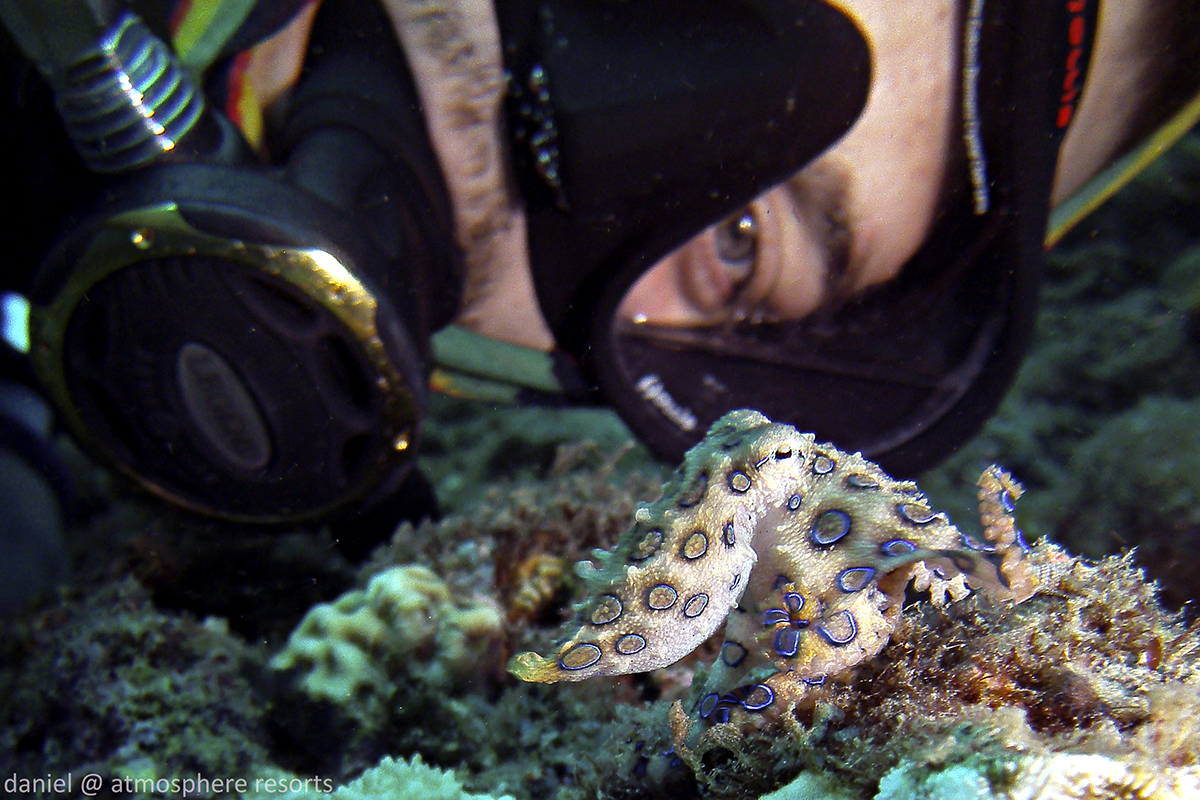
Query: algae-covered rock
x=1061 y=776
x=1092 y=664
x=391 y=779
x=405 y=625
x=107 y=683
x=1137 y=482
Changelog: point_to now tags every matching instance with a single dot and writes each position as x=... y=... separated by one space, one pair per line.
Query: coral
x=803 y=551
x=110 y=684
x=1060 y=776
x=405 y=625
x=810 y=786
x=390 y=779
x=540 y=578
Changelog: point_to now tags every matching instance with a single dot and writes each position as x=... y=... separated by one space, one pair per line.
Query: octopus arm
x=644 y=623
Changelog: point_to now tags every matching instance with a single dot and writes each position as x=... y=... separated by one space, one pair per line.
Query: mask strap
x=200 y=30
x=476 y=367
x=1110 y=180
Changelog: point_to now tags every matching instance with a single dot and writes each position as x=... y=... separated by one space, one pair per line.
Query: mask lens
x=902 y=374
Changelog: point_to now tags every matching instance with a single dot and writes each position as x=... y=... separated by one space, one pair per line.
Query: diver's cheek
x=658 y=298
x=276 y=63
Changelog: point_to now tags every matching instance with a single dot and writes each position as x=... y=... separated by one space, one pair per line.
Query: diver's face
x=849 y=220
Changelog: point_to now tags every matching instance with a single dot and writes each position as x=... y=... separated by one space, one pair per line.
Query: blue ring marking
x=971 y=543
x=855 y=579
x=897 y=547
x=694 y=546
x=829 y=637
x=860 y=481
x=1007 y=502
x=663 y=603
x=739 y=482
x=732 y=654
x=775 y=616
x=704 y=712
x=793 y=602
x=592 y=650
x=736 y=580
x=786 y=642
x=722 y=715
x=648 y=546
x=823 y=464
x=689 y=608
x=695 y=493
x=759 y=464
x=830 y=526
x=815 y=681
x=603 y=612
x=1024 y=545
x=728 y=535
x=750 y=704
x=916 y=513
x=794 y=502
x=630 y=644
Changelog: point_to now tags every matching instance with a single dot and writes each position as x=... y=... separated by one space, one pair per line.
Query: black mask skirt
x=910 y=370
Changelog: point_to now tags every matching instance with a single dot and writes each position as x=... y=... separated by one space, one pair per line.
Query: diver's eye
x=737 y=244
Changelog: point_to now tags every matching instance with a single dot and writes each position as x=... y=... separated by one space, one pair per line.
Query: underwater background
x=290 y=664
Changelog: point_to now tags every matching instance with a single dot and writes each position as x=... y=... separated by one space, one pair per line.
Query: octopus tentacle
x=802 y=550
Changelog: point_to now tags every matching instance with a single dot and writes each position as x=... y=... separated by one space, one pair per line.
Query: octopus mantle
x=801 y=550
